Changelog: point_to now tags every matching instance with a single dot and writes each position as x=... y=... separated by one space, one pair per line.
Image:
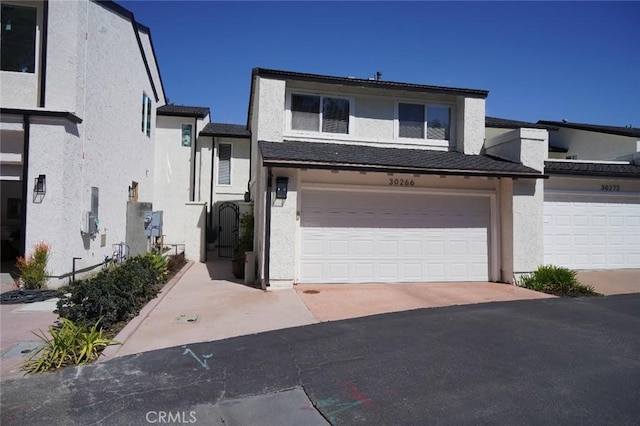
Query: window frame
x=147 y=106
x=183 y=127
x=426 y=105
x=37 y=35
x=289 y=114
x=230 y=164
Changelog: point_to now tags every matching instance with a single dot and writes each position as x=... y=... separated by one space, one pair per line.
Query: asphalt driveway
x=565 y=361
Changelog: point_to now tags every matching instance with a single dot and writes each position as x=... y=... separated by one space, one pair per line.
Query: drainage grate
x=187 y=319
x=311 y=292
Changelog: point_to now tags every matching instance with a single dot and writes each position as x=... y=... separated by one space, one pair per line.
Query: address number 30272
x=401 y=182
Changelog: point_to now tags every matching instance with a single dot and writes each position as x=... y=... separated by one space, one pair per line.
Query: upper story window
x=18 y=45
x=319 y=114
x=224 y=164
x=146 y=115
x=187 y=132
x=420 y=121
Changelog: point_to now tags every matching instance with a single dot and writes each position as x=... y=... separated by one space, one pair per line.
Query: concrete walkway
x=621 y=281
x=222 y=307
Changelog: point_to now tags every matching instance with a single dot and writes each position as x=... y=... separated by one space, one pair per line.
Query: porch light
x=40 y=185
x=281 y=187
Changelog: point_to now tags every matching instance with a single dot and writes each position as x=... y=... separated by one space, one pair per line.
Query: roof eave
x=376 y=84
x=593 y=173
x=398 y=169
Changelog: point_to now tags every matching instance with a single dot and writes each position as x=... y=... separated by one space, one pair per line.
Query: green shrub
x=70 y=344
x=245 y=242
x=556 y=280
x=33 y=269
x=116 y=294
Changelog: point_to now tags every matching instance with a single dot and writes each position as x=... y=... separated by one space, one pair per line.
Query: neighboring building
x=592 y=198
x=199 y=163
x=80 y=87
x=358 y=180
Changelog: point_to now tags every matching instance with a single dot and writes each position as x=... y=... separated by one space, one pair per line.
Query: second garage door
x=592 y=231
x=369 y=237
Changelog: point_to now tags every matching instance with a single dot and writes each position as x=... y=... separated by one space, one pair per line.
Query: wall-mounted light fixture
x=281 y=187
x=40 y=185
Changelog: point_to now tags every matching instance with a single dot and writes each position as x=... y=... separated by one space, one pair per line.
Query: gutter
x=387 y=169
x=43 y=54
x=195 y=150
x=267 y=231
x=25 y=186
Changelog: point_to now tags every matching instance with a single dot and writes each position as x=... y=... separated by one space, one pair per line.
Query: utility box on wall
x=153 y=223
x=135 y=238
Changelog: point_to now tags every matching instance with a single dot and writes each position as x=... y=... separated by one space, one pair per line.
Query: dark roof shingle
x=183 y=111
x=613 y=130
x=373 y=83
x=362 y=157
x=591 y=169
x=514 y=124
x=226 y=129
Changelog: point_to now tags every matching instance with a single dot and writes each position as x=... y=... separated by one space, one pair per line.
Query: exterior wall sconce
x=40 y=185
x=281 y=187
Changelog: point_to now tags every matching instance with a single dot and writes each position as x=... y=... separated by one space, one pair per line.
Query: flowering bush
x=32 y=270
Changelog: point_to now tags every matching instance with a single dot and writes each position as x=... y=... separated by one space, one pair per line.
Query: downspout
x=25 y=186
x=267 y=231
x=195 y=150
x=213 y=150
x=43 y=53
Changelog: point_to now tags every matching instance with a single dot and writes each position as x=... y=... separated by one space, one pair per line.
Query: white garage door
x=370 y=237
x=591 y=231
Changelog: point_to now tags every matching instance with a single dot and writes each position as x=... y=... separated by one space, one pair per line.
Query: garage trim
x=494 y=232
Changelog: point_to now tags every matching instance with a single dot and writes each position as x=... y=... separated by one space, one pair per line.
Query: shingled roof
x=613 y=130
x=183 y=111
x=363 y=82
x=591 y=169
x=514 y=124
x=367 y=158
x=226 y=129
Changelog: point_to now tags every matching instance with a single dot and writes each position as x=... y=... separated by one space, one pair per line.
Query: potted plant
x=243 y=245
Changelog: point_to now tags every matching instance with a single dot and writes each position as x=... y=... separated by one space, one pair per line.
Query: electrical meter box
x=153 y=224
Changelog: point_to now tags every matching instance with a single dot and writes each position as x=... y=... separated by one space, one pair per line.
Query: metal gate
x=228 y=225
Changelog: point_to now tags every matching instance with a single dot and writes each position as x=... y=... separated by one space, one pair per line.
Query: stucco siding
x=589 y=145
x=239 y=167
x=94 y=69
x=284 y=227
x=173 y=176
x=22 y=89
x=528 y=247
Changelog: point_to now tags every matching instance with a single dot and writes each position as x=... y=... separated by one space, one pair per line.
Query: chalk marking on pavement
x=203 y=363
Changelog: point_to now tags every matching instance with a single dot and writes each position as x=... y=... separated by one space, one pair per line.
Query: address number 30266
x=401 y=182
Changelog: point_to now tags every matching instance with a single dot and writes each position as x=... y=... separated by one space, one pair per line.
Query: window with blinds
x=414 y=118
x=224 y=164
x=319 y=114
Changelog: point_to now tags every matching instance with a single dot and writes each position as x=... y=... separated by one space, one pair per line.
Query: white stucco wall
x=594 y=145
x=173 y=176
x=591 y=184
x=471 y=119
x=195 y=224
x=17 y=89
x=374 y=113
x=522 y=249
x=101 y=78
x=240 y=148
x=526 y=146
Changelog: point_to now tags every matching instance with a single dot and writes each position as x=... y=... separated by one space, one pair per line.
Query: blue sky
x=578 y=61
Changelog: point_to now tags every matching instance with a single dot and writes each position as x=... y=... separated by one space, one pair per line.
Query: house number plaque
x=610 y=188
x=401 y=182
